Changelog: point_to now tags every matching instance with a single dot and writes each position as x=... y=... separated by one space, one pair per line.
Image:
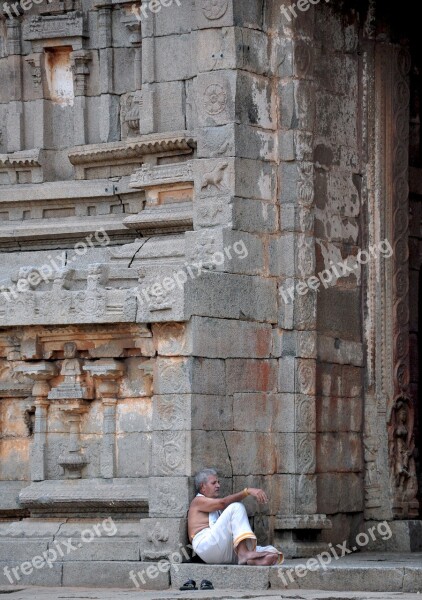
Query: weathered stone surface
x=339 y=492
x=210 y=448
x=224 y=338
x=48 y=577
x=350 y=579
x=159 y=538
x=339 y=414
x=211 y=412
x=116 y=574
x=227 y=296
x=9 y=494
x=244 y=375
x=347 y=457
x=285 y=413
x=252 y=578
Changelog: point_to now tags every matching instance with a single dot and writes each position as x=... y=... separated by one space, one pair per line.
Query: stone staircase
x=366 y=572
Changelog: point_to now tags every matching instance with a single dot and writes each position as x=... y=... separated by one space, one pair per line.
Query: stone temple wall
x=172 y=183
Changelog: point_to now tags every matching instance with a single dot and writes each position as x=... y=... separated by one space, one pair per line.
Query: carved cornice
x=25 y=158
x=179 y=142
x=9 y=389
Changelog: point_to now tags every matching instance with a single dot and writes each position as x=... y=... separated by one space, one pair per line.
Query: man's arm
x=209 y=505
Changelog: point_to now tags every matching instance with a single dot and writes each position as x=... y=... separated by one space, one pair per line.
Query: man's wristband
x=246 y=492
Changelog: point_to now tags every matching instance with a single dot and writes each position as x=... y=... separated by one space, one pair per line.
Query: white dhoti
x=217 y=543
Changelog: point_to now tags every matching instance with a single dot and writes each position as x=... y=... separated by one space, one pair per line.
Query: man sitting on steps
x=219 y=528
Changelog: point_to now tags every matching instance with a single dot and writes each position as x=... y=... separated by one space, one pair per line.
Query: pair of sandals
x=190 y=584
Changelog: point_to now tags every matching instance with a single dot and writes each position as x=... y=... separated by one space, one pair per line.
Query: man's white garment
x=216 y=544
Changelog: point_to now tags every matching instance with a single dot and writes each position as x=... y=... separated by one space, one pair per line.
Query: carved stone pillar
x=41 y=373
x=107 y=373
x=80 y=68
x=73 y=460
x=390 y=480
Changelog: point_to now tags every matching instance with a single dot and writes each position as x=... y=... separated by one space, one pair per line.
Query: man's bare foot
x=266 y=561
x=257 y=558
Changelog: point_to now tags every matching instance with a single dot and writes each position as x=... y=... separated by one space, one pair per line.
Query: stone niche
x=76 y=412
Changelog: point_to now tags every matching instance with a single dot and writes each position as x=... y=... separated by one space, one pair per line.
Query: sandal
x=206 y=585
x=190 y=584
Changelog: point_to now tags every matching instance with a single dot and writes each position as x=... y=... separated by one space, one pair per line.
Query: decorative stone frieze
x=59 y=30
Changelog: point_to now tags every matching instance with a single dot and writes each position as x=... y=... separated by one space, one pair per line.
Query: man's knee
x=236 y=507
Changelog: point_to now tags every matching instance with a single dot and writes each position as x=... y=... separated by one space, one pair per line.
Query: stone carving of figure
x=72 y=386
x=71 y=367
x=402 y=449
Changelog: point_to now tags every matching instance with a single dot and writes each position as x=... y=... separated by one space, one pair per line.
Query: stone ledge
x=85 y=493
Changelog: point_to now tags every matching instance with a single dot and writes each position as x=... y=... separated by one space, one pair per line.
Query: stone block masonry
x=206 y=156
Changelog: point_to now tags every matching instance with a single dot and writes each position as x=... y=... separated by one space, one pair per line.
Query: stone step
x=370 y=572
x=52 y=593
x=358 y=572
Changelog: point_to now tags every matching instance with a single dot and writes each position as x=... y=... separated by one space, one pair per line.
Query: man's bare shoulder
x=204 y=504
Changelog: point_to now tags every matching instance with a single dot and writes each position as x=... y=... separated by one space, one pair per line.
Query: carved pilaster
x=41 y=373
x=35 y=62
x=80 y=69
x=107 y=374
x=389 y=415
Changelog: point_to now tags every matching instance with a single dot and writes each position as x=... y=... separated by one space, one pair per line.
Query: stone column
x=41 y=373
x=107 y=373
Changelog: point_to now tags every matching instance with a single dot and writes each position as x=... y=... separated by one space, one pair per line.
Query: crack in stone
x=228 y=454
x=140 y=247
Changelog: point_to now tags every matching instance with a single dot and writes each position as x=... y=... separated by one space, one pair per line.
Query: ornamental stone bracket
x=22 y=167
